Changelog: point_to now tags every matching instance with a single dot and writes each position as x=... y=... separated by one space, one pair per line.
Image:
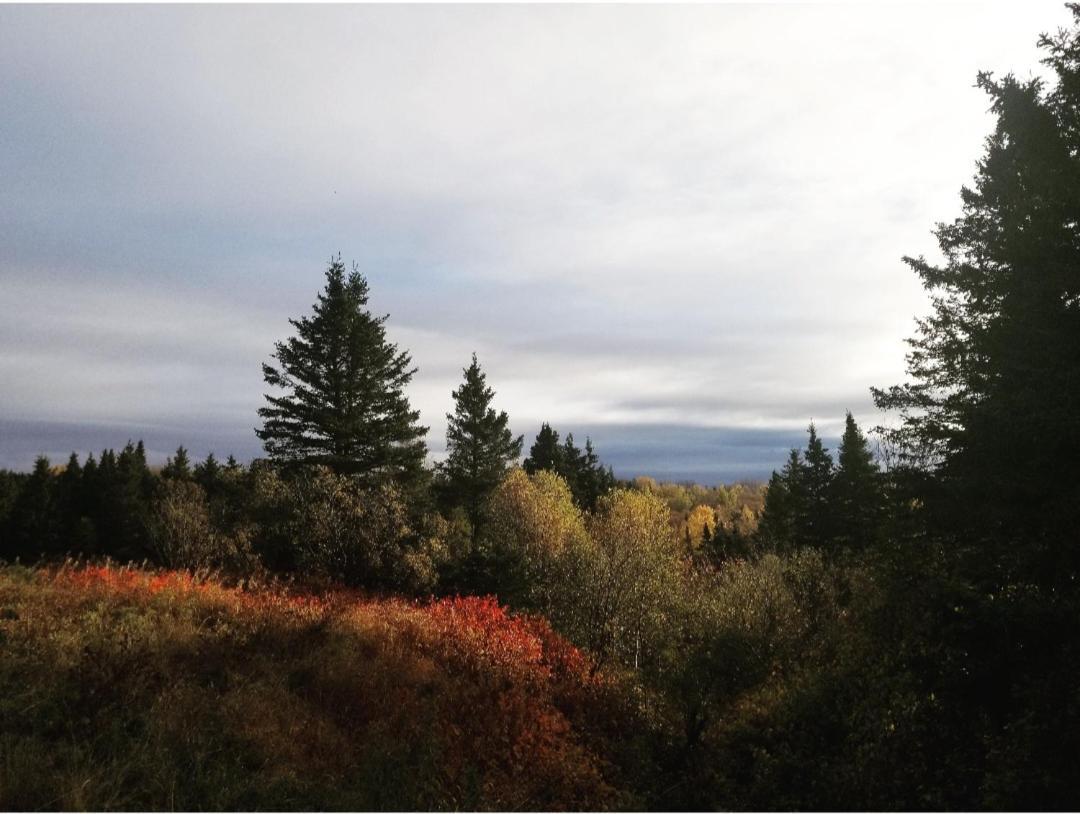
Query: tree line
x=892 y=632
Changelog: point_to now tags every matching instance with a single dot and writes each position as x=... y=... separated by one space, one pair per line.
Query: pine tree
x=856 y=492
x=546 y=453
x=178 y=467
x=344 y=402
x=480 y=446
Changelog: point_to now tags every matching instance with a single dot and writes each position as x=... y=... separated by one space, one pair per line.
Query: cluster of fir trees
x=581 y=469
x=100 y=507
x=816 y=502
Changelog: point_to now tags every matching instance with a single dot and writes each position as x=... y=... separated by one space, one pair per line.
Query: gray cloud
x=639 y=217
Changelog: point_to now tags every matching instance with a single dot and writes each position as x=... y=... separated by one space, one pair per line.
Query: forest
x=891 y=624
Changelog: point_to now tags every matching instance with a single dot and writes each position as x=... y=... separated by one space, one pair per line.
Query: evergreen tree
x=208 y=475
x=593 y=481
x=35 y=520
x=856 y=492
x=231 y=464
x=546 y=453
x=130 y=503
x=572 y=467
x=785 y=502
x=814 y=522
x=344 y=402
x=178 y=467
x=480 y=446
x=69 y=501
x=991 y=409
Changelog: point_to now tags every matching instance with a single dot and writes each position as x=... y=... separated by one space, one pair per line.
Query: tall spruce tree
x=344 y=402
x=991 y=409
x=481 y=448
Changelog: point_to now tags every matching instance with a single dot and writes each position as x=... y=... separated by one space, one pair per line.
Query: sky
x=675 y=229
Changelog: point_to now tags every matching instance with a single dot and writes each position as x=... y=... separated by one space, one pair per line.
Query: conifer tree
x=34 y=516
x=546 y=453
x=593 y=480
x=178 y=467
x=572 y=467
x=343 y=403
x=480 y=446
x=784 y=503
x=856 y=494
x=208 y=474
x=814 y=522
x=991 y=406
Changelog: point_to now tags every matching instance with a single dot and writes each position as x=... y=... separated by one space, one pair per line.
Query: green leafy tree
x=344 y=403
x=481 y=449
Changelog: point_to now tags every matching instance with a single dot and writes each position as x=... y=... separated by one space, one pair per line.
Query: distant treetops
x=812 y=502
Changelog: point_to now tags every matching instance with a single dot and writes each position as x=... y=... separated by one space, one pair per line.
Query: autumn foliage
x=124 y=688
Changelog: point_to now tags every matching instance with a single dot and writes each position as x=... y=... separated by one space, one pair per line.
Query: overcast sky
x=676 y=229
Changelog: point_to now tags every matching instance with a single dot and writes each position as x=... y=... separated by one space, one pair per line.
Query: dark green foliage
x=785 y=503
x=813 y=517
x=855 y=500
x=593 y=481
x=546 y=453
x=480 y=447
x=178 y=467
x=208 y=475
x=35 y=516
x=344 y=403
x=994 y=398
x=582 y=470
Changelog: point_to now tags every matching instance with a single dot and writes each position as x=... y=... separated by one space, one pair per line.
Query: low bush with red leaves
x=123 y=688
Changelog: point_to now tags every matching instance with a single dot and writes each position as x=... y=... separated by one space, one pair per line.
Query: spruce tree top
x=343 y=401
x=546 y=453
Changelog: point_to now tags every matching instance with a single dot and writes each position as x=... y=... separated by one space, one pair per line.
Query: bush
x=182 y=535
x=357 y=535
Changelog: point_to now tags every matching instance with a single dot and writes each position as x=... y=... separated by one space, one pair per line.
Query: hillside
x=129 y=689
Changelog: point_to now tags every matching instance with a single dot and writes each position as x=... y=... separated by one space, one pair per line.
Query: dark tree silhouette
x=480 y=446
x=344 y=402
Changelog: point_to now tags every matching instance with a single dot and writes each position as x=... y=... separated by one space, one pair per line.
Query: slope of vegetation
x=122 y=688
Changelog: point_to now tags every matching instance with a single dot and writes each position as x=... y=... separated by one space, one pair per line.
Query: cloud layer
x=644 y=219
